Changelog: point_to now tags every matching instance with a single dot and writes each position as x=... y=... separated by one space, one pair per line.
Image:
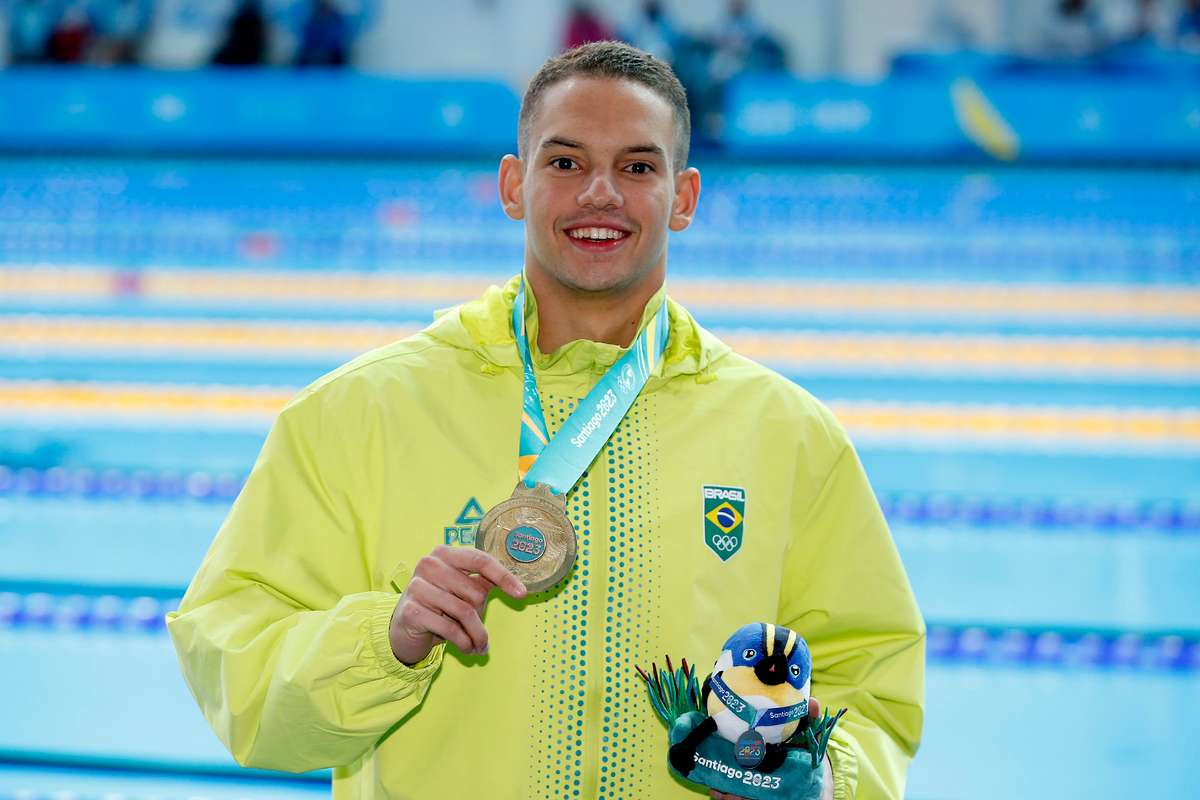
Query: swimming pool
x=1016 y=353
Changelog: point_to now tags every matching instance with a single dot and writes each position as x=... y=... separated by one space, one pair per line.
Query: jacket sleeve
x=847 y=593
x=280 y=636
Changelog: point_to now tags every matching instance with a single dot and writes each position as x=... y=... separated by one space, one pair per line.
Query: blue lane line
x=69 y=767
x=963 y=469
x=45 y=444
x=1072 y=649
x=109 y=602
x=136 y=793
x=96 y=613
x=911 y=508
x=1082 y=577
x=773 y=320
x=1039 y=513
x=63 y=794
x=113 y=484
x=1041 y=646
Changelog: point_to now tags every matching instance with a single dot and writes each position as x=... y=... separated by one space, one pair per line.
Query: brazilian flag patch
x=724 y=519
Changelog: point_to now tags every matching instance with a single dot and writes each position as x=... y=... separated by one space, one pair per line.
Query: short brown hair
x=610 y=60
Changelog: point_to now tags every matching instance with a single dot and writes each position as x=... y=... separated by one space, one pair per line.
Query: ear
x=512 y=176
x=687 y=196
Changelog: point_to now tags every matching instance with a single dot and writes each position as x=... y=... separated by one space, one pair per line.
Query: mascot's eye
x=749 y=653
x=795 y=670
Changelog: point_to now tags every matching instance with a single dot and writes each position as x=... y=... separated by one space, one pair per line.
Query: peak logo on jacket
x=462 y=532
x=724 y=519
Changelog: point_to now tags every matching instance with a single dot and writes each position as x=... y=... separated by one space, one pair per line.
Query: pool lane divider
x=1004 y=426
x=150 y=405
x=934 y=509
x=948 y=644
x=1170 y=359
x=72 y=766
x=114 y=484
x=84 y=612
x=793 y=296
x=67 y=794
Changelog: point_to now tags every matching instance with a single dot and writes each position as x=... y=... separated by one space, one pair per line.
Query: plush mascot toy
x=752 y=729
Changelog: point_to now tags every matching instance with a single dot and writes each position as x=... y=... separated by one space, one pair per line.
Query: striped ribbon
x=558 y=463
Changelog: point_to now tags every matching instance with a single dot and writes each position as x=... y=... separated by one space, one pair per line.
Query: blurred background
x=972 y=228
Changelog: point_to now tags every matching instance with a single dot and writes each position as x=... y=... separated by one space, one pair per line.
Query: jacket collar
x=483 y=326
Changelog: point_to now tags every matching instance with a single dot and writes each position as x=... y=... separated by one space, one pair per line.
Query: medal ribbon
x=756 y=716
x=560 y=462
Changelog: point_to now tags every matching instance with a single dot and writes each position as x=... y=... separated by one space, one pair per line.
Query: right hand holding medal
x=444 y=602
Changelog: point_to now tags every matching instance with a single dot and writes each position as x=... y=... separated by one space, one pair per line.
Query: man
x=293 y=639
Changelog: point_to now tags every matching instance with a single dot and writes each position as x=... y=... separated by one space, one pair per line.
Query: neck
x=566 y=314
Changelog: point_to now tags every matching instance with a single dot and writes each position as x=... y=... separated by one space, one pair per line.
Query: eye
x=795 y=670
x=749 y=653
x=640 y=168
x=563 y=163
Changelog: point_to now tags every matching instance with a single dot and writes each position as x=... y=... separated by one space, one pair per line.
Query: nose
x=600 y=192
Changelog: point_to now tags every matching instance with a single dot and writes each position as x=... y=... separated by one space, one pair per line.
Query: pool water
x=1016 y=353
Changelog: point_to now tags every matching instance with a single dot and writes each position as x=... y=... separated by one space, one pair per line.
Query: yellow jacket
x=283 y=632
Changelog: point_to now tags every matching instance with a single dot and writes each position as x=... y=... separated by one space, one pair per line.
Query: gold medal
x=530 y=535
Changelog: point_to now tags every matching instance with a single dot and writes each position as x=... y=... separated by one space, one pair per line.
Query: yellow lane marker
x=797 y=296
x=1172 y=358
x=1002 y=424
x=1177 y=359
x=1005 y=423
x=69 y=398
x=33 y=332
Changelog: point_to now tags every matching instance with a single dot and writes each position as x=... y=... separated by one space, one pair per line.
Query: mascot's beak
x=772 y=670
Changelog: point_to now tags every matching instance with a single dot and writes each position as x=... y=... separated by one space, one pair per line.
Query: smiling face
x=598 y=190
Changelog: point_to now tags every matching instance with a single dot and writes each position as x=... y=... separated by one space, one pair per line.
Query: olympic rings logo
x=726 y=544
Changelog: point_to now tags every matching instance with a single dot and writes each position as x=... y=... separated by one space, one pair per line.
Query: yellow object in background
x=981 y=122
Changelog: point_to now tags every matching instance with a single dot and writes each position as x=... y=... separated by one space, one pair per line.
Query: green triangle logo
x=471 y=513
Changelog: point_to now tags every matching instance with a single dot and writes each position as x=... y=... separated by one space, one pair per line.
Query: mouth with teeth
x=596 y=238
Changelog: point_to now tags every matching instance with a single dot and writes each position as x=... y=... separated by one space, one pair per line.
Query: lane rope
x=793 y=296
x=1006 y=646
x=903 y=508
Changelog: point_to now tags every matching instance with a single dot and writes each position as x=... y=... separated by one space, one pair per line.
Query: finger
x=439 y=625
x=444 y=576
x=482 y=563
x=814 y=708
x=472 y=560
x=449 y=605
x=483 y=584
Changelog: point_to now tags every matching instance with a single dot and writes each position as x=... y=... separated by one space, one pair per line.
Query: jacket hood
x=483 y=327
